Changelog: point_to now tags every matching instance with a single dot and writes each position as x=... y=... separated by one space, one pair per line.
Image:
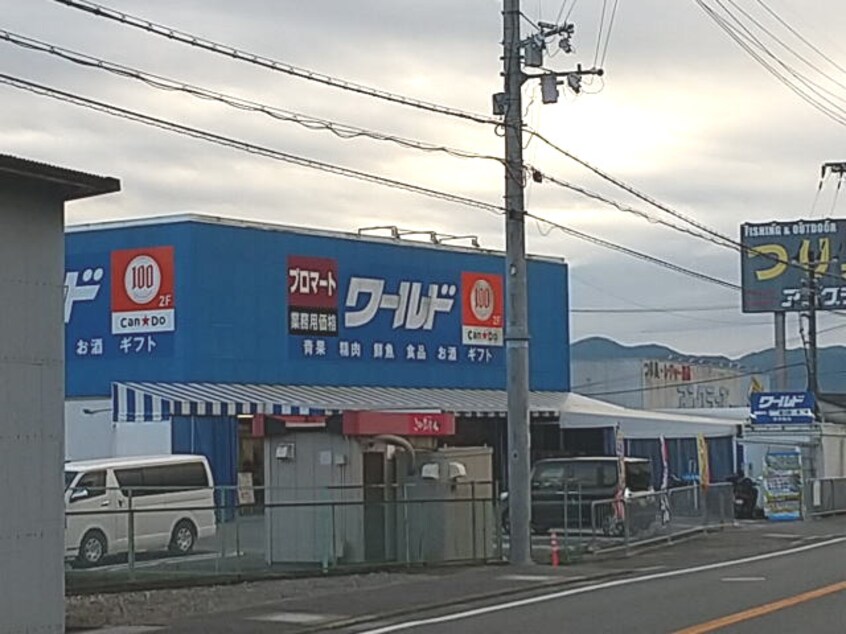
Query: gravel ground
x=158 y=607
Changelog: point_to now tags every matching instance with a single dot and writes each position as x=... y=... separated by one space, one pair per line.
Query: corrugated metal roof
x=159 y=401
x=71 y=183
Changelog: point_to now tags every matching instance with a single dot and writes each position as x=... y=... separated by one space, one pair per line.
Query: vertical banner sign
x=312 y=296
x=704 y=469
x=665 y=480
x=620 y=449
x=143 y=298
x=482 y=309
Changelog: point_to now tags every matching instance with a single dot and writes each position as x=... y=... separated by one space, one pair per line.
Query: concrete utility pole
x=780 y=321
x=516 y=300
x=509 y=104
x=813 y=385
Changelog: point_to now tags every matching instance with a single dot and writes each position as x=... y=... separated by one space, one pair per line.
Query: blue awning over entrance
x=149 y=402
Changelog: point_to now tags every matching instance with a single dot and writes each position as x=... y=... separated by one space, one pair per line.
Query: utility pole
x=509 y=104
x=813 y=294
x=516 y=298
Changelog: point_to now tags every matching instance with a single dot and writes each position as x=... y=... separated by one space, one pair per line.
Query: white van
x=173 y=497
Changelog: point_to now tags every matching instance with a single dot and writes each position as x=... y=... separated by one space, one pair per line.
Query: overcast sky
x=683 y=113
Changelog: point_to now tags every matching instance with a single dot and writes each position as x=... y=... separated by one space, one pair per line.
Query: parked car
x=582 y=481
x=172 y=498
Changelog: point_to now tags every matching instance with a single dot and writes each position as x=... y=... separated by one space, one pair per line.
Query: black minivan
x=579 y=481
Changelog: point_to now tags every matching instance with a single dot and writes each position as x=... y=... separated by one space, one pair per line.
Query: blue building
x=182 y=331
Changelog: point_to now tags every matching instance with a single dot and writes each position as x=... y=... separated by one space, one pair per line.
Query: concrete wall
x=31 y=397
x=90 y=433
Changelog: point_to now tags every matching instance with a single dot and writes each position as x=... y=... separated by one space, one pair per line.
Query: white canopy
x=579 y=411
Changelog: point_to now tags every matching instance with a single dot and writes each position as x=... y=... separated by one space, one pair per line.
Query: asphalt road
x=800 y=592
x=755 y=577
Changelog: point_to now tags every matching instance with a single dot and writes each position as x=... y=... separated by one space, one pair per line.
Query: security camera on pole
x=509 y=105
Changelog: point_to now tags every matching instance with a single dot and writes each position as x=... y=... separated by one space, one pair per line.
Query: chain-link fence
x=143 y=534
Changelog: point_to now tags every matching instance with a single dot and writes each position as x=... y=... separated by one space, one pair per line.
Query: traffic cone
x=553 y=541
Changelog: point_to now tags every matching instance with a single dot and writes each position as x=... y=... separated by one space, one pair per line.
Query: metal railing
x=825 y=496
x=593 y=526
x=146 y=534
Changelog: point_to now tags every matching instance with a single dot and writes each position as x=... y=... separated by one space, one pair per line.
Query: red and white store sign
x=143 y=291
x=482 y=311
x=364 y=423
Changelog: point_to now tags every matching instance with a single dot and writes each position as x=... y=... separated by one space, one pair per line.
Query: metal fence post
x=473 y=515
x=130 y=535
x=405 y=527
x=626 y=529
x=566 y=514
x=334 y=549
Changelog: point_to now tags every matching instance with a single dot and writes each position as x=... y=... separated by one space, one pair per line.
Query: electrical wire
x=251 y=148
x=607 y=244
x=801 y=37
x=599 y=33
x=624 y=208
x=159 y=82
x=835 y=114
x=339 y=129
x=230 y=142
x=707 y=233
x=776 y=39
x=662 y=310
x=608 y=35
x=183 y=37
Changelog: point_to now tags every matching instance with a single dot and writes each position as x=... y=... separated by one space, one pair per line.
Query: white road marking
x=783 y=536
x=742 y=579
x=600 y=586
x=530 y=577
x=301 y=618
x=130 y=629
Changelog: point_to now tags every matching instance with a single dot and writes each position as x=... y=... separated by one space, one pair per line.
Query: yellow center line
x=761 y=610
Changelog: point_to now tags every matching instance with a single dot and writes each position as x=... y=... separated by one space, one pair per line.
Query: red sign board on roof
x=398 y=423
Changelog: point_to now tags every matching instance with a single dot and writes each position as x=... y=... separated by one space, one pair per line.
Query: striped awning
x=143 y=402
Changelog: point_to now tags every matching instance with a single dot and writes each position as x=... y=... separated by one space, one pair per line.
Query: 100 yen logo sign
x=482 y=300
x=143 y=279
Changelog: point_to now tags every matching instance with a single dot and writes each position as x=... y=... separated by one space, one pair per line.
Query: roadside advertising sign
x=783 y=408
x=775 y=264
x=342 y=312
x=120 y=304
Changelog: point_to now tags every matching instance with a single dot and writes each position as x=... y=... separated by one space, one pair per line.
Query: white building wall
x=31 y=395
x=90 y=433
x=622 y=377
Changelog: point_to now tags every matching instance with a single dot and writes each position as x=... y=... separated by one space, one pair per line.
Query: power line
x=159 y=82
x=624 y=208
x=242 y=145
x=667 y=309
x=757 y=41
x=203 y=135
x=266 y=62
x=812 y=99
x=707 y=233
x=636 y=254
x=801 y=37
x=157 y=29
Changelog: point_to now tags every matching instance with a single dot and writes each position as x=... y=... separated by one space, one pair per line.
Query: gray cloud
x=684 y=114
